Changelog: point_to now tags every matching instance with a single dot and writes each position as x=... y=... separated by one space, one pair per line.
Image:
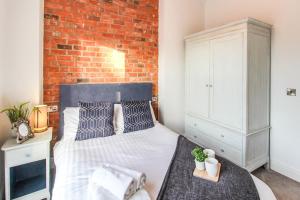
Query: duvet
x=150 y=151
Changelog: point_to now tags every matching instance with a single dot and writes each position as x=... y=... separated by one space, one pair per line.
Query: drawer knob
x=195 y=124
x=195 y=136
x=222 y=150
x=222 y=135
x=27 y=155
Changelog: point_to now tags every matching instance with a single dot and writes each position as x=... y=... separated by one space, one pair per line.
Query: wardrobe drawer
x=221 y=149
x=207 y=142
x=192 y=134
x=200 y=138
x=230 y=153
x=224 y=135
x=191 y=122
x=228 y=137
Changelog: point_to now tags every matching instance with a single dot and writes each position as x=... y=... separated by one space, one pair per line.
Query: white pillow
x=71 y=122
x=152 y=113
x=118 y=120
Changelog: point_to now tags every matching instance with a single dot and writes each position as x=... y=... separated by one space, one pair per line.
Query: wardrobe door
x=197 y=78
x=226 y=78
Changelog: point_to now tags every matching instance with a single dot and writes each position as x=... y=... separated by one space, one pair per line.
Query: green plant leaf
x=16 y=113
x=199 y=155
x=6 y=110
x=23 y=104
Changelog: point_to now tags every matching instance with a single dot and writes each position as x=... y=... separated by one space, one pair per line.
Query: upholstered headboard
x=71 y=94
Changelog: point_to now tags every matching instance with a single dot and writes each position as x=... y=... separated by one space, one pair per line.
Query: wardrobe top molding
x=244 y=24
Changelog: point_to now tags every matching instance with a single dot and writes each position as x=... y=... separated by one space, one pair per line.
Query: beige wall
x=2 y=64
x=284 y=15
x=177 y=18
x=23 y=52
x=20 y=57
x=2 y=123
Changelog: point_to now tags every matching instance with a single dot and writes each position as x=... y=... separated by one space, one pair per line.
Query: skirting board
x=288 y=171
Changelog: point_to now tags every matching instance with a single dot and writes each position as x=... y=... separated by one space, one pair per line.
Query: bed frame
x=71 y=94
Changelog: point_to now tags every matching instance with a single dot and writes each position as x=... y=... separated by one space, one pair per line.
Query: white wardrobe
x=227 y=91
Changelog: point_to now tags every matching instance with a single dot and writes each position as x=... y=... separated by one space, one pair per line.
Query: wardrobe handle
x=207 y=85
x=210 y=85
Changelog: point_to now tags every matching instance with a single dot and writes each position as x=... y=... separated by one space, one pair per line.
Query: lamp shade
x=40 y=120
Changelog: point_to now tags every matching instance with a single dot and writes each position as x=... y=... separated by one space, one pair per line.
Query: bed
x=150 y=151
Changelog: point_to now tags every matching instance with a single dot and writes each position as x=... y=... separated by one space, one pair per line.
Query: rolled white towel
x=139 y=177
x=119 y=184
x=96 y=192
x=99 y=193
x=142 y=194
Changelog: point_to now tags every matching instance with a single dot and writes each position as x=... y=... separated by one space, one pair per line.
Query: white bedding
x=148 y=151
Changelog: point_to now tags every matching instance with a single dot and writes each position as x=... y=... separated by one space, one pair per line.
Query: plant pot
x=200 y=165
x=14 y=130
x=210 y=153
x=211 y=165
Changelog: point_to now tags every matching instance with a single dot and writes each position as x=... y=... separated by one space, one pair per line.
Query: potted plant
x=200 y=157
x=15 y=114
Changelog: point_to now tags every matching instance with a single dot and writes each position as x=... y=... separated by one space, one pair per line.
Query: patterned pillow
x=137 y=115
x=95 y=120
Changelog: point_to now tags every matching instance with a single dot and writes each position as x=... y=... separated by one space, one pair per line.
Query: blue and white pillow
x=95 y=120
x=137 y=115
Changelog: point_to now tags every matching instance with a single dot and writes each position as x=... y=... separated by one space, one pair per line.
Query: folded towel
x=142 y=194
x=119 y=184
x=96 y=192
x=139 y=178
x=99 y=193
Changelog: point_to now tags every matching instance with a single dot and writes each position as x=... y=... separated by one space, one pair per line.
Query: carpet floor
x=283 y=187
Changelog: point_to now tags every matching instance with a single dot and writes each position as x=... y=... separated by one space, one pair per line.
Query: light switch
x=291 y=92
x=53 y=108
x=154 y=99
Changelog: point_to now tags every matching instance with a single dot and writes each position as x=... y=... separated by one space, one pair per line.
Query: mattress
x=149 y=151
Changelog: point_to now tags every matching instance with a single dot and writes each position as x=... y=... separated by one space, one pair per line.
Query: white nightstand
x=27 y=167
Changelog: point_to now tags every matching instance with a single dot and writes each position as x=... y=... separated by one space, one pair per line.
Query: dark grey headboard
x=71 y=94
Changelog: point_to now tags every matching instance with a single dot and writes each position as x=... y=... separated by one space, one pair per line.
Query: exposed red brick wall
x=99 y=41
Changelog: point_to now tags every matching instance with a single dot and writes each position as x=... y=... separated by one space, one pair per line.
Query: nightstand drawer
x=26 y=154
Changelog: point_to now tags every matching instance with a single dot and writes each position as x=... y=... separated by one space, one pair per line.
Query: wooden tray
x=203 y=174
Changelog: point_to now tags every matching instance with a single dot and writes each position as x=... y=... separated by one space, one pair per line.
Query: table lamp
x=40 y=121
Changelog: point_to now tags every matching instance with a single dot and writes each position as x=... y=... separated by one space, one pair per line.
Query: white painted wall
x=23 y=71
x=21 y=31
x=2 y=118
x=177 y=19
x=2 y=62
x=2 y=25
x=285 y=110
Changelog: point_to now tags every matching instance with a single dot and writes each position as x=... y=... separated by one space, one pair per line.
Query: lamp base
x=40 y=130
